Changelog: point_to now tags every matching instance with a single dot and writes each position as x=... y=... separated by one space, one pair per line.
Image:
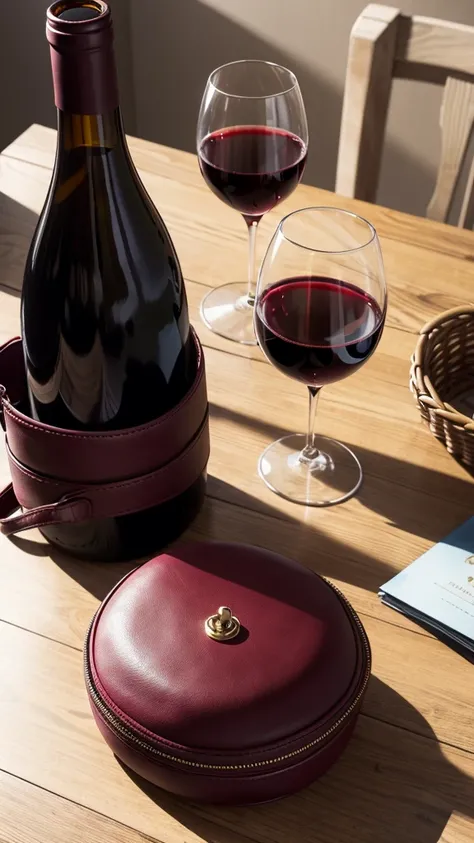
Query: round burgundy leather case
x=226 y=673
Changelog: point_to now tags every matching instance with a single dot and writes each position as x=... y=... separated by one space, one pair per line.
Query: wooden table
x=408 y=775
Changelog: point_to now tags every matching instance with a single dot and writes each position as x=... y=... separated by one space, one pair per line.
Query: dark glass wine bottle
x=104 y=312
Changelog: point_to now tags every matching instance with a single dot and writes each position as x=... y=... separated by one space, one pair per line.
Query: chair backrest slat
x=466 y=214
x=366 y=99
x=436 y=42
x=456 y=120
x=385 y=44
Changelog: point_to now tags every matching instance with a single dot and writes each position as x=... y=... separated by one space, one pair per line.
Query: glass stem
x=310 y=452
x=252 y=225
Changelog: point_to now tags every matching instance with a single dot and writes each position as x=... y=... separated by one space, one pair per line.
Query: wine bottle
x=104 y=312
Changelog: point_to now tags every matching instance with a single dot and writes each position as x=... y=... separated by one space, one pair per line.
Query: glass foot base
x=331 y=475
x=226 y=311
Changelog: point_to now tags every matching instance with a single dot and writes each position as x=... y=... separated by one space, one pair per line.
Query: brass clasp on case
x=223 y=626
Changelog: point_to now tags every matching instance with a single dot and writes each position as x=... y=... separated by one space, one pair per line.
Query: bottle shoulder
x=99 y=219
x=104 y=312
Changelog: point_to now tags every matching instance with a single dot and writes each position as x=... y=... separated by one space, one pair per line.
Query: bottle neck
x=95 y=131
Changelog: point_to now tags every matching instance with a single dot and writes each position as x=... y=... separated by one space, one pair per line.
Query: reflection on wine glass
x=319 y=314
x=252 y=141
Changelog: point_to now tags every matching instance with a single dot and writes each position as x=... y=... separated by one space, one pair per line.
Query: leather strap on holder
x=66 y=511
x=61 y=476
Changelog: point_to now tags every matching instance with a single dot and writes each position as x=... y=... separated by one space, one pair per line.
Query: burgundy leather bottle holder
x=66 y=476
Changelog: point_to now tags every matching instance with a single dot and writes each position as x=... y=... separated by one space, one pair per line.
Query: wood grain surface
x=26 y=811
x=408 y=774
x=37 y=146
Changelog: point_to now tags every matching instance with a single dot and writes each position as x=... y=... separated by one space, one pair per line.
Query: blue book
x=437 y=589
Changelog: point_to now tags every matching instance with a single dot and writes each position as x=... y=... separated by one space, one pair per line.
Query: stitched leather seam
x=117 y=510
x=215 y=753
x=133 y=431
x=41 y=515
x=110 y=487
x=200 y=373
x=162 y=499
x=137 y=727
x=208 y=774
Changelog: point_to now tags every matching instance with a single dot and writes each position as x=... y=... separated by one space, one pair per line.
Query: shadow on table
x=385 y=479
x=98 y=578
x=230 y=514
x=390 y=786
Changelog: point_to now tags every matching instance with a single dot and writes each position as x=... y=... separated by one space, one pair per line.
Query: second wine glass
x=319 y=315
x=252 y=142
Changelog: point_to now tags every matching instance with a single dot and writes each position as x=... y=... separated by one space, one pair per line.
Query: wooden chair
x=384 y=45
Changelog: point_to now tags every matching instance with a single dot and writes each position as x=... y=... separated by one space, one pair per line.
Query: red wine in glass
x=252 y=168
x=317 y=330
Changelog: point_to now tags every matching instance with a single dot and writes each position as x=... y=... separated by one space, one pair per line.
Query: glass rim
x=290 y=73
x=333 y=208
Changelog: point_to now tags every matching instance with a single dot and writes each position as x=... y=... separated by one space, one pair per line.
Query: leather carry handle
x=107 y=500
x=63 y=476
x=67 y=510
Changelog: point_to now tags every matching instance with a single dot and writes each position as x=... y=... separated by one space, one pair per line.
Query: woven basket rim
x=421 y=384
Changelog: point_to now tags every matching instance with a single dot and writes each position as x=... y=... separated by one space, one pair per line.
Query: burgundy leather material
x=297 y=631
x=65 y=511
x=229 y=790
x=66 y=475
x=95 y=456
x=283 y=689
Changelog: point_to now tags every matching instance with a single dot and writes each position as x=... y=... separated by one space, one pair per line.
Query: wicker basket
x=442 y=379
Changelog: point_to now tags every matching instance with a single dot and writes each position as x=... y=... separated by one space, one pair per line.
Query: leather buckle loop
x=3 y=397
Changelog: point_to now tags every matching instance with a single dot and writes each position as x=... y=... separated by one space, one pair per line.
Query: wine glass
x=319 y=314
x=252 y=141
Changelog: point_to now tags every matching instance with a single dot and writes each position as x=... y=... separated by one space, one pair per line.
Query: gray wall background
x=167 y=48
